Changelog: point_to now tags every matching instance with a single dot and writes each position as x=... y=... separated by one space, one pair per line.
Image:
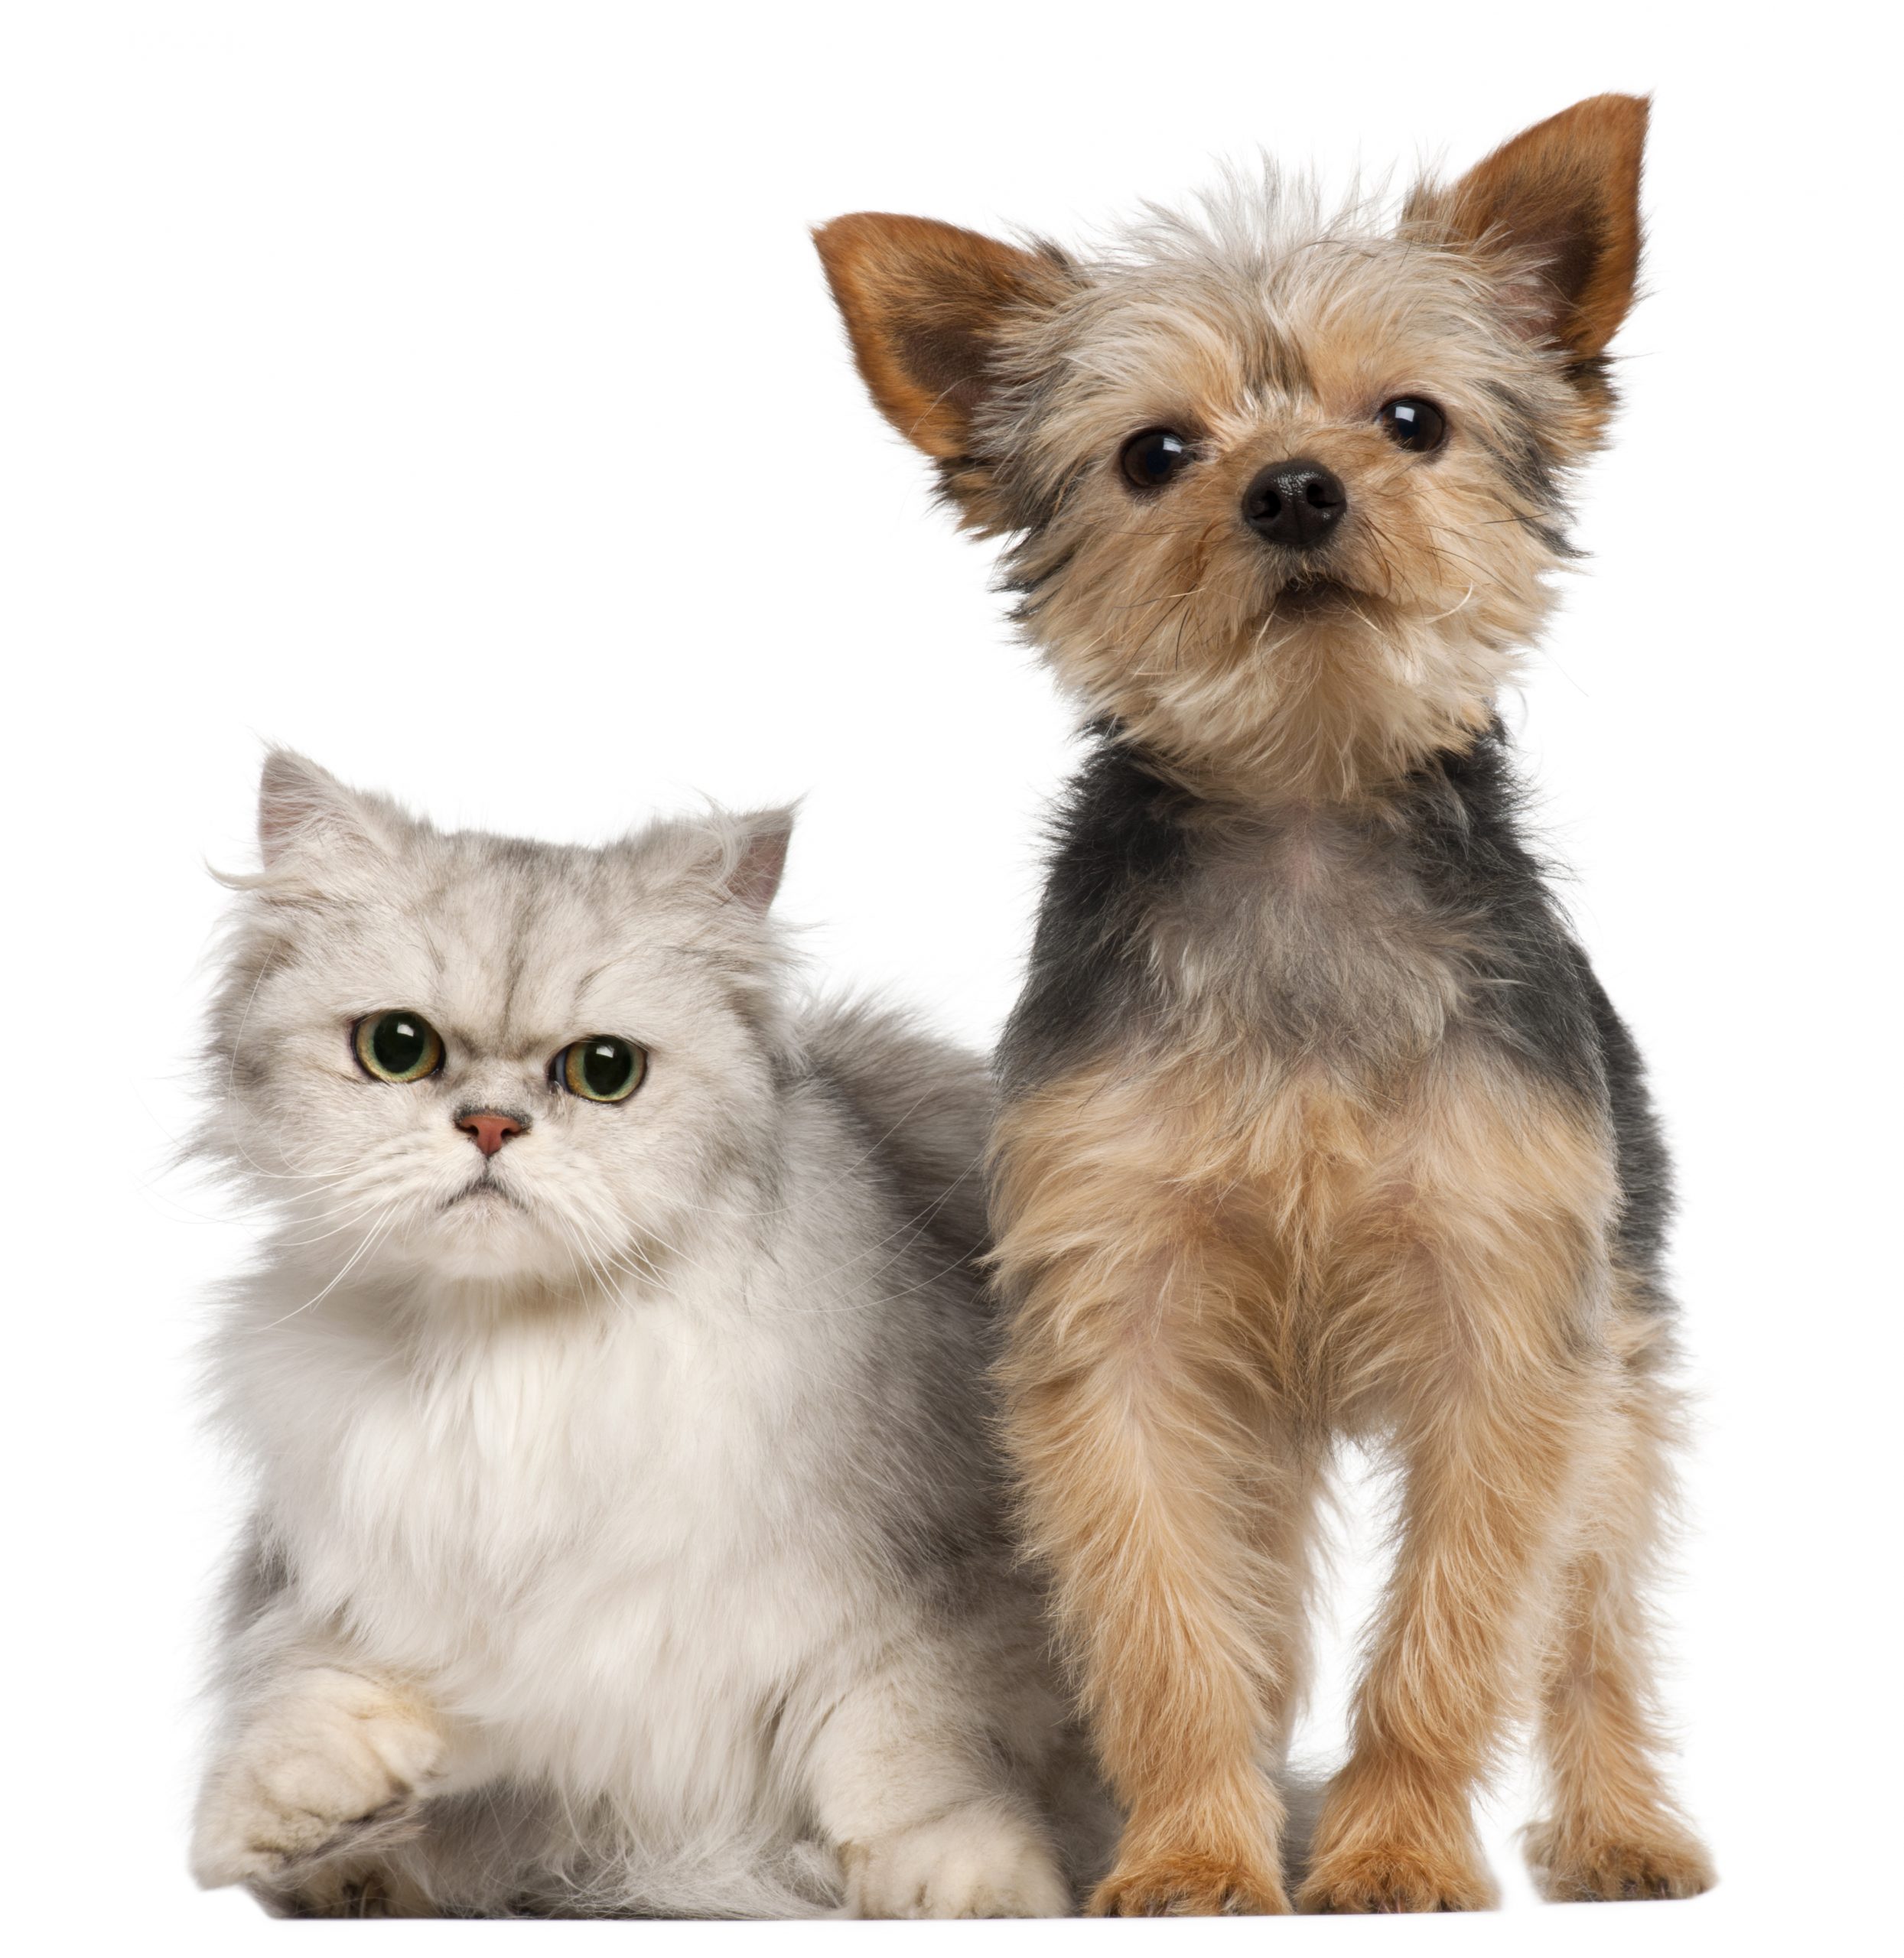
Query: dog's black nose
x=1296 y=503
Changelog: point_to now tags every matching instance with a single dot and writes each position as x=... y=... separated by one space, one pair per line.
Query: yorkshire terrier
x=1317 y=1120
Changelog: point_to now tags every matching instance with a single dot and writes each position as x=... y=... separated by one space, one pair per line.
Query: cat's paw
x=348 y=1887
x=980 y=1860
x=335 y=1761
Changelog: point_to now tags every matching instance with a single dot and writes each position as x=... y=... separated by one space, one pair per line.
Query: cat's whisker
x=349 y=1264
x=363 y=1207
x=580 y=1261
x=484 y=1393
x=360 y=1192
x=600 y=1248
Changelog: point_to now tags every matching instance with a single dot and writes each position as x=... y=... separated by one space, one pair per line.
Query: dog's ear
x=1561 y=203
x=923 y=303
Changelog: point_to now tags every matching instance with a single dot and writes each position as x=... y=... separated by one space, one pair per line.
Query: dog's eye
x=397 y=1047
x=1149 y=460
x=1414 y=423
x=603 y=1068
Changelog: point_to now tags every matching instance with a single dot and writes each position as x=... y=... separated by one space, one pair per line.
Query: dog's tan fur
x=1226 y=1248
x=1263 y=343
x=1216 y=1274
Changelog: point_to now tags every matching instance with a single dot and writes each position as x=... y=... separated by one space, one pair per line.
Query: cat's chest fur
x=584 y=1536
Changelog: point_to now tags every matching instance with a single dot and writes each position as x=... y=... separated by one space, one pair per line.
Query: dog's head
x=1284 y=488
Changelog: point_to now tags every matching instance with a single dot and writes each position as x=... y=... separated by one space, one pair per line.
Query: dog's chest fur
x=1342 y=1050
x=1360 y=940
x=1309 y=935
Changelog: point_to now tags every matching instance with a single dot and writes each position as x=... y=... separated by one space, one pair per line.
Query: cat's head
x=455 y=1056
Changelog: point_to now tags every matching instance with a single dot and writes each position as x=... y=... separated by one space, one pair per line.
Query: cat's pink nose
x=488 y=1129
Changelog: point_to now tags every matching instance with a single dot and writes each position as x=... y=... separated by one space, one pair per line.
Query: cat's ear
x=732 y=860
x=752 y=870
x=304 y=810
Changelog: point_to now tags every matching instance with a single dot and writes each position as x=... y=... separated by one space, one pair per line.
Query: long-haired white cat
x=627 y=1534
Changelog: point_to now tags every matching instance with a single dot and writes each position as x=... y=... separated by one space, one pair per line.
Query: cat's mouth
x=484 y=1191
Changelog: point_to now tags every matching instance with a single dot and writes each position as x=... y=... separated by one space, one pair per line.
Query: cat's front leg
x=926 y=1824
x=982 y=1858
x=325 y=1758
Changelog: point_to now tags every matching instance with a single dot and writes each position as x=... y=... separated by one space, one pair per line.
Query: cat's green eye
x=603 y=1068
x=397 y=1047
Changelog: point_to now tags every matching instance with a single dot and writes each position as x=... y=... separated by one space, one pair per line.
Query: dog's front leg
x=1137 y=1424
x=1139 y=1470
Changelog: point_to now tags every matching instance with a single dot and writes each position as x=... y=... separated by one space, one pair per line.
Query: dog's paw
x=335 y=1761
x=1661 y=1860
x=980 y=1860
x=1189 y=1883
x=1397 y=1877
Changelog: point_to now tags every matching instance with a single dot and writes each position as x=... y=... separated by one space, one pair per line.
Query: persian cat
x=612 y=1383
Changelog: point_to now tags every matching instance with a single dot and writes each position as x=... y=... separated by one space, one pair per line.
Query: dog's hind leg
x=1613 y=1831
x=1479 y=1272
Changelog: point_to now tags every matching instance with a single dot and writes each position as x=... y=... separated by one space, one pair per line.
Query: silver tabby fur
x=627 y=1532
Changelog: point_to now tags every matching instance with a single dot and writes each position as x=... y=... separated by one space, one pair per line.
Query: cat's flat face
x=467 y=1057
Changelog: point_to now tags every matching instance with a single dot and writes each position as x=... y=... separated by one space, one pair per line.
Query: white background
x=451 y=391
